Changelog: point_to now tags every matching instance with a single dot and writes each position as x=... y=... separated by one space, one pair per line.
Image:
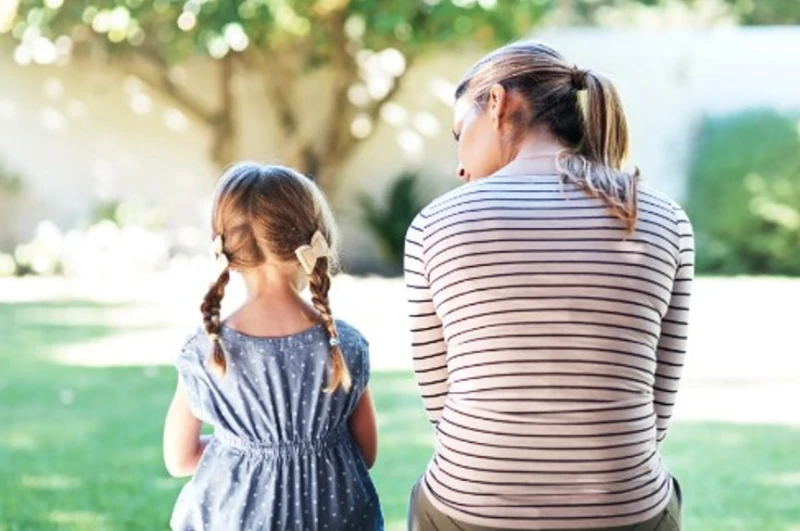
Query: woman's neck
x=536 y=154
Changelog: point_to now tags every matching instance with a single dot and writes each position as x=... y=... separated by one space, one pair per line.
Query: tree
x=362 y=47
x=746 y=12
x=766 y=12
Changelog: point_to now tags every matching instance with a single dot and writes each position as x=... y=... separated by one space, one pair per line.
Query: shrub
x=744 y=194
x=389 y=222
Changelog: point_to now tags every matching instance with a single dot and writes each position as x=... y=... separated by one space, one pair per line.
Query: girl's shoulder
x=195 y=347
x=350 y=336
x=355 y=348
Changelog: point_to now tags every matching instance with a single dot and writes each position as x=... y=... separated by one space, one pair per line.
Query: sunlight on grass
x=54 y=482
x=786 y=479
x=730 y=439
x=86 y=519
x=18 y=440
x=144 y=348
x=396 y=525
x=78 y=316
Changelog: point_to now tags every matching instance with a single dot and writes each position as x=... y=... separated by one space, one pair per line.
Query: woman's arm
x=183 y=445
x=674 y=331
x=427 y=335
x=363 y=426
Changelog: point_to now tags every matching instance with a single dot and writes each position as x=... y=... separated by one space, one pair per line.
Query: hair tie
x=578 y=78
x=334 y=341
x=213 y=337
x=308 y=254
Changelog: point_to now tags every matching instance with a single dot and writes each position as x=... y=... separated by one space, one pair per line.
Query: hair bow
x=308 y=255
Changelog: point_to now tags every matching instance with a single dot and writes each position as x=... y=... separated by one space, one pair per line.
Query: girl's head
x=262 y=215
x=527 y=87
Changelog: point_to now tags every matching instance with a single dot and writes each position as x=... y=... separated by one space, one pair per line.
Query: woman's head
x=262 y=216
x=527 y=87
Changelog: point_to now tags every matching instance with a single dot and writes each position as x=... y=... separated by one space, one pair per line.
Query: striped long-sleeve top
x=548 y=344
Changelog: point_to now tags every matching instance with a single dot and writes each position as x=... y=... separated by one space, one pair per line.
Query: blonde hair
x=595 y=130
x=262 y=211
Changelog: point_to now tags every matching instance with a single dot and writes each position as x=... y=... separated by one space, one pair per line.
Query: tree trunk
x=225 y=148
x=222 y=122
x=319 y=157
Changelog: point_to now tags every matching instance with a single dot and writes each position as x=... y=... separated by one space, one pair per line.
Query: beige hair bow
x=309 y=254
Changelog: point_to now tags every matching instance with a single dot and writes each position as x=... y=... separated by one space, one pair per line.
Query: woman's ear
x=498 y=101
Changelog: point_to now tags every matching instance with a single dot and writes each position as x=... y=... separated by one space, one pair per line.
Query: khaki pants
x=422 y=516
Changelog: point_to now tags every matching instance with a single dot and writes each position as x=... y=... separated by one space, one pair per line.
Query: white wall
x=72 y=134
x=85 y=131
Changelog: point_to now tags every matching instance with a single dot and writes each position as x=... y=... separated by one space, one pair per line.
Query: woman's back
x=548 y=343
x=282 y=456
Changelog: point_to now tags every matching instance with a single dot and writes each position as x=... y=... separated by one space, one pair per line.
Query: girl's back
x=282 y=456
x=294 y=423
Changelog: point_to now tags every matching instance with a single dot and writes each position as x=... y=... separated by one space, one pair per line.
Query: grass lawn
x=80 y=447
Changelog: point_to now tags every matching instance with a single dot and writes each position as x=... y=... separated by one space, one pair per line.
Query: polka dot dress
x=281 y=456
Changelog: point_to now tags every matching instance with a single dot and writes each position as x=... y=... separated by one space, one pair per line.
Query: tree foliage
x=744 y=194
x=746 y=12
x=364 y=47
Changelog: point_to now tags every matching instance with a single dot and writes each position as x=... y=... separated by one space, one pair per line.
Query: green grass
x=95 y=463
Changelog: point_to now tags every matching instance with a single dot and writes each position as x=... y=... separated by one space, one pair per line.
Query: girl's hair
x=271 y=211
x=595 y=131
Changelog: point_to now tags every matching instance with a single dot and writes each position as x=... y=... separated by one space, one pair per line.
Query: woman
x=549 y=303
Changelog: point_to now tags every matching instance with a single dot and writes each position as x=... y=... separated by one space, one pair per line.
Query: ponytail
x=595 y=165
x=605 y=137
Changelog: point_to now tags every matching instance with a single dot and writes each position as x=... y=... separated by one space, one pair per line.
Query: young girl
x=284 y=385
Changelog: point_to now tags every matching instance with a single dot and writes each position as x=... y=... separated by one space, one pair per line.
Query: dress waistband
x=307 y=446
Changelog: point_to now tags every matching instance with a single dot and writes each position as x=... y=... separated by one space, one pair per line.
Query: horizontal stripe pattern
x=548 y=346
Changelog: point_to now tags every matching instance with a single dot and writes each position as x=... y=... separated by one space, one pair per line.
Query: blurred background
x=118 y=116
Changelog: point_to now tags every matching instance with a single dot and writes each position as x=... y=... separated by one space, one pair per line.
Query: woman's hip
x=425 y=516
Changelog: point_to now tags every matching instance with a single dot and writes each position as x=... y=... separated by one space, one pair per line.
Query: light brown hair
x=268 y=212
x=594 y=130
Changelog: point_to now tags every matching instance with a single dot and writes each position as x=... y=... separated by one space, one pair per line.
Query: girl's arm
x=183 y=445
x=363 y=427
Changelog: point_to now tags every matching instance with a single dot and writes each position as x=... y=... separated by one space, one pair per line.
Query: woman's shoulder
x=441 y=204
x=462 y=198
x=652 y=198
